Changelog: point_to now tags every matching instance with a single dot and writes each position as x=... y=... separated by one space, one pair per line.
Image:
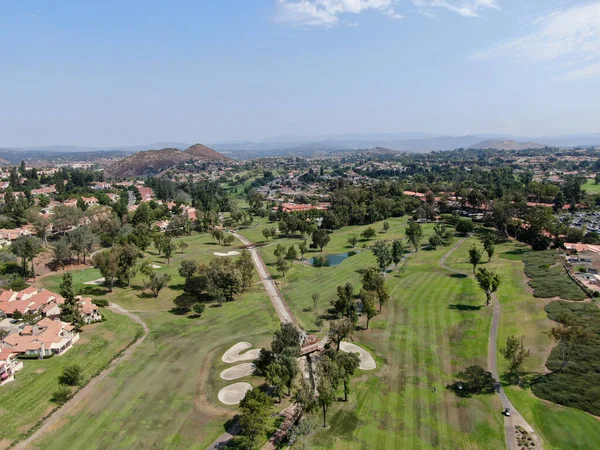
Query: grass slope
x=524 y=315
x=166 y=396
x=26 y=400
x=431 y=329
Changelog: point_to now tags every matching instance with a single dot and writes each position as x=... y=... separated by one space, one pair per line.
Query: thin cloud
x=465 y=8
x=568 y=37
x=328 y=13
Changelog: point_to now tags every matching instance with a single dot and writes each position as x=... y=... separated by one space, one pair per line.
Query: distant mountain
x=506 y=145
x=77 y=149
x=153 y=162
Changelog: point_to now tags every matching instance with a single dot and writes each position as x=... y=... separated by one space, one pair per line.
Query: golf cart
x=507 y=412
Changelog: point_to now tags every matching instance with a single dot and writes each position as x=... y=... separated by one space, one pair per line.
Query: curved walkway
x=515 y=419
x=88 y=388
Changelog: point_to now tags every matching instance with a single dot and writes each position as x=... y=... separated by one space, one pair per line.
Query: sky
x=128 y=72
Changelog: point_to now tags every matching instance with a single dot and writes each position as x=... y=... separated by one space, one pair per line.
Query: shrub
x=71 y=376
x=548 y=278
x=102 y=303
x=61 y=395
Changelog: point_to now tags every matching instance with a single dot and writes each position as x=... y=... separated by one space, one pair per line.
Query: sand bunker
x=234 y=393
x=155 y=266
x=232 y=253
x=366 y=360
x=233 y=354
x=239 y=371
x=96 y=282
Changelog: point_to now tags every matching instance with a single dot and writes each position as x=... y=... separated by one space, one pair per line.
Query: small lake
x=332 y=260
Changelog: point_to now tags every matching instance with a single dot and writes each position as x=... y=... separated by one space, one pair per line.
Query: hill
x=153 y=162
x=506 y=145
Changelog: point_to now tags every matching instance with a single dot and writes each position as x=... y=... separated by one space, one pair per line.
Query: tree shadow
x=146 y=295
x=95 y=291
x=459 y=307
x=461 y=276
x=177 y=287
x=179 y=311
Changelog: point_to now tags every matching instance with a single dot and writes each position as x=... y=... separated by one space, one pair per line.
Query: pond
x=332 y=260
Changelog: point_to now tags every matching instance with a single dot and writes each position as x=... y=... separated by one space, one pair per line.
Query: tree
x=352 y=241
x=315 y=300
x=108 y=264
x=218 y=235
x=187 y=269
x=283 y=265
x=345 y=297
x=255 y=412
x=143 y=215
x=303 y=247
x=474 y=257
x=368 y=233
x=72 y=375
x=291 y=254
x=386 y=226
x=383 y=254
x=61 y=395
x=443 y=234
x=326 y=396
x=168 y=250
x=276 y=376
x=368 y=299
x=477 y=380
x=65 y=218
x=268 y=233
x=488 y=241
x=127 y=256
x=70 y=311
x=435 y=241
x=489 y=282
x=40 y=222
x=515 y=354
x=228 y=240
x=246 y=267
x=347 y=364
x=340 y=330
x=82 y=241
x=280 y=251
x=397 y=252
x=157 y=282
x=414 y=233
x=465 y=226
x=198 y=309
x=320 y=239
x=568 y=339
x=373 y=280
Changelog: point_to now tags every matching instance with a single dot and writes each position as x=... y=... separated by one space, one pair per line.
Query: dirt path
x=515 y=419
x=281 y=307
x=89 y=388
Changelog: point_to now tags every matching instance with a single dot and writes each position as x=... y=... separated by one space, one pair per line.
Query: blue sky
x=124 y=72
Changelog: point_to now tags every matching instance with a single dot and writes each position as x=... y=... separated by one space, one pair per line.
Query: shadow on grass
x=146 y=295
x=95 y=291
x=515 y=254
x=458 y=275
x=177 y=287
x=459 y=307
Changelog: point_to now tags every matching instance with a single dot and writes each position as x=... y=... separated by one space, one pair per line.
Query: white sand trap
x=155 y=266
x=233 y=354
x=232 y=253
x=366 y=360
x=96 y=282
x=234 y=393
x=239 y=371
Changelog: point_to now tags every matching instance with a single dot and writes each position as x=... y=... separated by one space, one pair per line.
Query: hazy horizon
x=110 y=74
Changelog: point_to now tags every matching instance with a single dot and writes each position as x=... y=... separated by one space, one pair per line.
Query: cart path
x=515 y=419
x=91 y=386
x=281 y=307
x=283 y=312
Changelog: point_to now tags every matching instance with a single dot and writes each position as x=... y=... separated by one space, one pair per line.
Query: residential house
x=9 y=365
x=45 y=338
x=90 y=312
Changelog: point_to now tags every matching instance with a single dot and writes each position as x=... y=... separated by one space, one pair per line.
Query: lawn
x=166 y=395
x=591 y=187
x=432 y=328
x=524 y=315
x=26 y=400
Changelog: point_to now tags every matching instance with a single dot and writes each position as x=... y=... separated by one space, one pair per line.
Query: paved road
x=89 y=388
x=283 y=310
x=515 y=419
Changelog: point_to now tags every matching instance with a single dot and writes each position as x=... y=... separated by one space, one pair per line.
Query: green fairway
x=524 y=315
x=591 y=187
x=26 y=400
x=431 y=329
x=165 y=396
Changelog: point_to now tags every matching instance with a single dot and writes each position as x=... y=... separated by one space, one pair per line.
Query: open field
x=431 y=329
x=166 y=395
x=591 y=187
x=524 y=315
x=26 y=400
